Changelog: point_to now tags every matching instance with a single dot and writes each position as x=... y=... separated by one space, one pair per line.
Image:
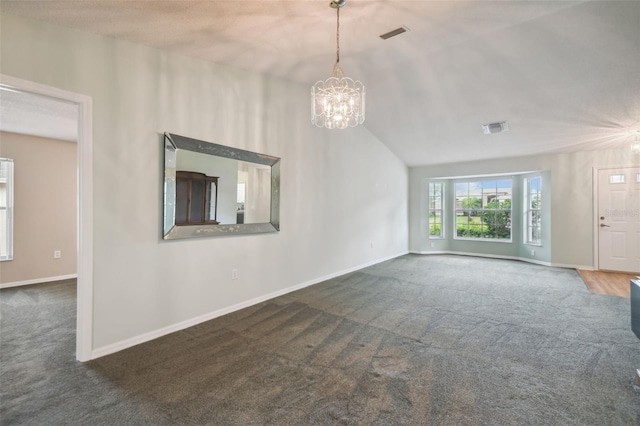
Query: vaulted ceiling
x=564 y=74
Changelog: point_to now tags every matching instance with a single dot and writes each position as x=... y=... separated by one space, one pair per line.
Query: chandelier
x=337 y=102
x=635 y=143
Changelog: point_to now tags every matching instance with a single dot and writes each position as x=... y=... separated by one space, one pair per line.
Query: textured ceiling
x=565 y=75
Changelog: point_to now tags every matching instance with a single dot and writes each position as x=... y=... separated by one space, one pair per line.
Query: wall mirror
x=212 y=189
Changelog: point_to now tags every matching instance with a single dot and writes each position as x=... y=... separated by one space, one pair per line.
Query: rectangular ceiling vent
x=499 y=127
x=394 y=33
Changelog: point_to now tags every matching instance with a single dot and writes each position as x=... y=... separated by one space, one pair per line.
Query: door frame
x=84 y=316
x=596 y=230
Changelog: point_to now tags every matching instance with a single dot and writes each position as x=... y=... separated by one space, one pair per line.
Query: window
x=616 y=179
x=532 y=212
x=436 y=194
x=483 y=209
x=6 y=209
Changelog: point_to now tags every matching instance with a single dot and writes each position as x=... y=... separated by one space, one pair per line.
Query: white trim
x=526 y=184
x=38 y=281
x=84 y=328
x=432 y=252
x=594 y=224
x=564 y=265
x=443 y=226
x=142 y=338
x=9 y=210
x=484 y=240
x=491 y=256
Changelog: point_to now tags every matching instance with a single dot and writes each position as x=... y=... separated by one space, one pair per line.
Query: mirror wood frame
x=172 y=145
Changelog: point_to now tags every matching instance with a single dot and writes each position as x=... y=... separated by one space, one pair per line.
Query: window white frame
x=6 y=209
x=435 y=207
x=533 y=211
x=482 y=193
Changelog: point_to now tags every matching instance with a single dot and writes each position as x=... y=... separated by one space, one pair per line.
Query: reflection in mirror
x=212 y=189
x=196 y=198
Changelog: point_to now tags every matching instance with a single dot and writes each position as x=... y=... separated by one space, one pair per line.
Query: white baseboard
x=38 y=280
x=537 y=262
x=583 y=267
x=523 y=259
x=491 y=256
x=133 y=341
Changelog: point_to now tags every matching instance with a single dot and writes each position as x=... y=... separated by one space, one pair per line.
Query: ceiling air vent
x=499 y=127
x=394 y=33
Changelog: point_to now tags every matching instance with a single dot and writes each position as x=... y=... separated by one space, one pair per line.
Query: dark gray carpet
x=434 y=340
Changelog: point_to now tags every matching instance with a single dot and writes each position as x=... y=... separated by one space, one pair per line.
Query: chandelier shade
x=337 y=102
x=635 y=143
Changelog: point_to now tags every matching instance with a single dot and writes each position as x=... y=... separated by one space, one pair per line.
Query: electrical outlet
x=533 y=252
x=234 y=274
x=57 y=254
x=433 y=245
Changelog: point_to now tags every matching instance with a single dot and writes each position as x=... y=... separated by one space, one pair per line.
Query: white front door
x=619 y=219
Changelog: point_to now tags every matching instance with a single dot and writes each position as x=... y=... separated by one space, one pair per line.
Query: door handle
x=602 y=225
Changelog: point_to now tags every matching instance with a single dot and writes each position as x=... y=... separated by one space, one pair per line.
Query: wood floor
x=608 y=283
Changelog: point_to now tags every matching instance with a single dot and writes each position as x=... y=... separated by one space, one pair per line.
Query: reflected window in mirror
x=241 y=200
x=196 y=198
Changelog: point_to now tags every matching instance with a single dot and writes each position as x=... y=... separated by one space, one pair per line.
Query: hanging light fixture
x=635 y=143
x=337 y=102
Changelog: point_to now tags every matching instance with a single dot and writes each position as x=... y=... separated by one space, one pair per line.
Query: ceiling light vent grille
x=499 y=127
x=394 y=33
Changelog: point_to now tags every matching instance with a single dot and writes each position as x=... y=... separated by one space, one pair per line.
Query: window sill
x=484 y=240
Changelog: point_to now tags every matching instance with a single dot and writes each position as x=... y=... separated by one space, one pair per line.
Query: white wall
x=571 y=176
x=339 y=207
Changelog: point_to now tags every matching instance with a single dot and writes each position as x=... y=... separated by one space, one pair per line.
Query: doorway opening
x=84 y=198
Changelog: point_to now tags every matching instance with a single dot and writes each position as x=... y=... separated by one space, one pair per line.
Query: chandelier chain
x=338 y=35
